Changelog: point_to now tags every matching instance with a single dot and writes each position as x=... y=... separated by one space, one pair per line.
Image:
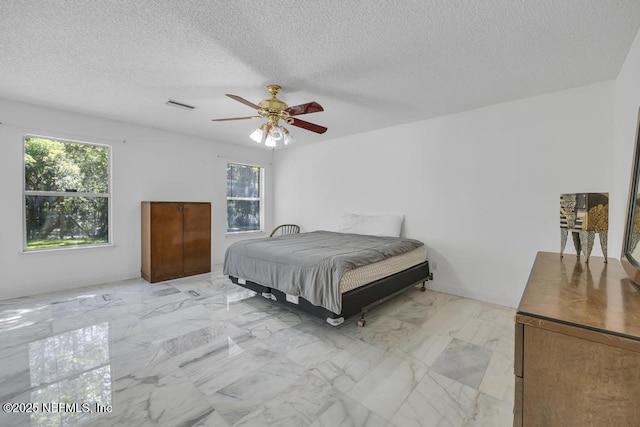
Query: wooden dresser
x=577 y=345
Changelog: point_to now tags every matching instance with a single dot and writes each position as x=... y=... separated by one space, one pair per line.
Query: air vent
x=177 y=104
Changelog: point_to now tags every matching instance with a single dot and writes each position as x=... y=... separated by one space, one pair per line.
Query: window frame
x=26 y=193
x=260 y=199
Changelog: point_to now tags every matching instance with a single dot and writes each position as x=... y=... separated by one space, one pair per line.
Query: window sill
x=67 y=249
x=243 y=233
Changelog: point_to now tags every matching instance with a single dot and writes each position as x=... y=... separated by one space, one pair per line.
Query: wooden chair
x=284 y=229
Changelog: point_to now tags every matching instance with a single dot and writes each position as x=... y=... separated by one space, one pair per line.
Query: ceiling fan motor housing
x=273 y=108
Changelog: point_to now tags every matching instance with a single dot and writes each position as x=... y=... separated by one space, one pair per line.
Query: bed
x=332 y=275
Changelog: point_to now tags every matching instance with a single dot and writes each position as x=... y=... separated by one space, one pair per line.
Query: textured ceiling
x=370 y=63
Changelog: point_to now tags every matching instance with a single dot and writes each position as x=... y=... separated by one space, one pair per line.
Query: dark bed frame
x=361 y=299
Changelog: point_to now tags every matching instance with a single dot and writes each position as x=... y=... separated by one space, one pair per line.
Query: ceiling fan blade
x=310 y=107
x=244 y=101
x=308 y=126
x=235 y=118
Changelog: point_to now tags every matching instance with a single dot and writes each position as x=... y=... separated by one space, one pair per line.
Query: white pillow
x=373 y=225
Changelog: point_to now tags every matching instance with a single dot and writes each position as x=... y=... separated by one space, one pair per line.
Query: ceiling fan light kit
x=272 y=137
x=271 y=133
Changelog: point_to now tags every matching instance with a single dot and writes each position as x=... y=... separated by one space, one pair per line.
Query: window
x=66 y=193
x=244 y=198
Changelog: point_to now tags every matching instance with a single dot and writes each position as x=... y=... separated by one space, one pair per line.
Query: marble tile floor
x=201 y=351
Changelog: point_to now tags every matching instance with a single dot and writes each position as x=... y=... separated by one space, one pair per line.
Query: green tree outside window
x=66 y=193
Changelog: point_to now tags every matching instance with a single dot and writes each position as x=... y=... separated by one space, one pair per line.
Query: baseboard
x=480 y=296
x=45 y=288
x=91 y=281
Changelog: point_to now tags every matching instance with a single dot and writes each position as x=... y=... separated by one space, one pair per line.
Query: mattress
x=366 y=274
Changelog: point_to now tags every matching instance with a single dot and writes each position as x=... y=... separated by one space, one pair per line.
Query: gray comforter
x=310 y=265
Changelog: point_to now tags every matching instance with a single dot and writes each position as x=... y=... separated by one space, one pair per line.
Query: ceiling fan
x=275 y=110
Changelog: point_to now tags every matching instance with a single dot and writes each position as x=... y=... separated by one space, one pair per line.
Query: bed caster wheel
x=362 y=323
x=423 y=288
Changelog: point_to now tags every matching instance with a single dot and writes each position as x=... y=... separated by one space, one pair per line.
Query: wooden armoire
x=176 y=239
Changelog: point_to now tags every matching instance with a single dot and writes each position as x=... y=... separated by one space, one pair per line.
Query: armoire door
x=166 y=240
x=197 y=237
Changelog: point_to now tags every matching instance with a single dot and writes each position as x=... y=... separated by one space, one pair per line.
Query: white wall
x=625 y=125
x=151 y=165
x=481 y=188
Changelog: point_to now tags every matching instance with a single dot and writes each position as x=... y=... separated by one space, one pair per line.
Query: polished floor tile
x=201 y=351
x=463 y=362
